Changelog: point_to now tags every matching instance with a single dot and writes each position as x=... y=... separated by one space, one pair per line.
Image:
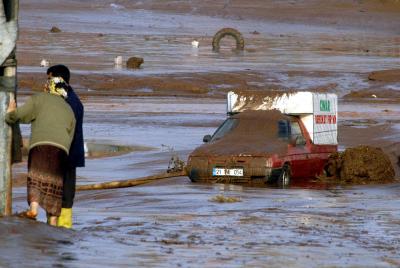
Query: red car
x=259 y=147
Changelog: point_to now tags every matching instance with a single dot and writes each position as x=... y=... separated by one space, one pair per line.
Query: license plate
x=238 y=172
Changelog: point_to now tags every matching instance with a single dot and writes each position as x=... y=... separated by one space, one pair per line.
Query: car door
x=299 y=151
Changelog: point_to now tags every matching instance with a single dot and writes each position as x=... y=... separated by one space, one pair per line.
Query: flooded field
x=136 y=120
x=176 y=223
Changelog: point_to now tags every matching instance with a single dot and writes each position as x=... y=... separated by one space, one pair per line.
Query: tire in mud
x=228 y=32
x=284 y=177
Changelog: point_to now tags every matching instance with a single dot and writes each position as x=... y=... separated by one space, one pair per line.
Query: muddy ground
x=177 y=97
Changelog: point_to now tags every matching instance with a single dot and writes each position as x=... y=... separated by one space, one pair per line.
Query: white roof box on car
x=318 y=111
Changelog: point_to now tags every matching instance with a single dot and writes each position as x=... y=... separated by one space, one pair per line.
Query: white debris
x=118 y=60
x=195 y=43
x=44 y=63
x=116 y=6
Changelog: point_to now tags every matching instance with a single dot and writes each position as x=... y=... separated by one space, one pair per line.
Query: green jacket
x=52 y=119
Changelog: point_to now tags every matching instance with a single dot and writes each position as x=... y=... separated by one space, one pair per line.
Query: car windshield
x=226 y=127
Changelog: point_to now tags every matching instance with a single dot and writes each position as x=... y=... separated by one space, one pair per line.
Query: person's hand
x=11 y=106
x=46 y=86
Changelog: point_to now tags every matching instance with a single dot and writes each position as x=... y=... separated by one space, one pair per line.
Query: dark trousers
x=69 y=187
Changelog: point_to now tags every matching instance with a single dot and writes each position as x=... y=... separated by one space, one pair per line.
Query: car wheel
x=284 y=177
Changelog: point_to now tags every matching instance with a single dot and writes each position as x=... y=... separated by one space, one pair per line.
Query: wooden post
x=8 y=68
x=7 y=83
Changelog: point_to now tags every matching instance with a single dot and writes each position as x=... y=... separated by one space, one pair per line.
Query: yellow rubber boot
x=65 y=219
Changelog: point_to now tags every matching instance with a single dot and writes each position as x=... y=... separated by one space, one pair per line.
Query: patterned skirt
x=46 y=166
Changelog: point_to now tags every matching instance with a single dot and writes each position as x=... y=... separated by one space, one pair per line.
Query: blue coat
x=76 y=157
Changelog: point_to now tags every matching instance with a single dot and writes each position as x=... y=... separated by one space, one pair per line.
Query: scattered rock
x=55 y=29
x=134 y=62
x=360 y=165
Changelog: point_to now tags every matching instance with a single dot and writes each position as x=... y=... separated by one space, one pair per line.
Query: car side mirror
x=297 y=140
x=206 y=138
x=293 y=141
x=301 y=141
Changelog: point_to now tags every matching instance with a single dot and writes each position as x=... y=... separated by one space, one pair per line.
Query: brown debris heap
x=55 y=29
x=360 y=165
x=134 y=62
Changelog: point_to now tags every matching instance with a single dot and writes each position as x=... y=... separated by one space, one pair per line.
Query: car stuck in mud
x=283 y=139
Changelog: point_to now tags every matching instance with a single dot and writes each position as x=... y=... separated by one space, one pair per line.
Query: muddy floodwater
x=176 y=223
x=135 y=121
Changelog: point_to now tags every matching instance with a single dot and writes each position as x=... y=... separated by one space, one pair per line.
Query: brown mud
x=385 y=76
x=255 y=133
x=360 y=165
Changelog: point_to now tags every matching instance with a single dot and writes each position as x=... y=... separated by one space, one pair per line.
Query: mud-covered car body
x=255 y=161
x=260 y=146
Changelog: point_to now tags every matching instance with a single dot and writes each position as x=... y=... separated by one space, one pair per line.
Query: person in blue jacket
x=76 y=157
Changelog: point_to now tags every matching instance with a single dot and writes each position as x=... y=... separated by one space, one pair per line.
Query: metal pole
x=8 y=68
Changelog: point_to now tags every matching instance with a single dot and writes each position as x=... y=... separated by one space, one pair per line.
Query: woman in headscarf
x=76 y=157
x=52 y=130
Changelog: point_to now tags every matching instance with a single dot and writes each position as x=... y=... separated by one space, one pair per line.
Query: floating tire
x=228 y=32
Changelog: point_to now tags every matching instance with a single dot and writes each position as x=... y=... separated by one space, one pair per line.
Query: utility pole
x=8 y=71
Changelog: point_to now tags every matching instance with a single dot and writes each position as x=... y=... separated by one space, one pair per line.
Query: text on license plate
x=228 y=172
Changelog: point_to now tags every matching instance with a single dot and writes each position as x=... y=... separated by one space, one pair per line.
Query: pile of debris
x=360 y=165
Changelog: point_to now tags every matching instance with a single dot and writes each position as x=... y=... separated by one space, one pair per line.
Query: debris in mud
x=385 y=75
x=195 y=43
x=360 y=122
x=134 y=62
x=359 y=165
x=175 y=164
x=225 y=199
x=44 y=63
x=118 y=61
x=55 y=29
